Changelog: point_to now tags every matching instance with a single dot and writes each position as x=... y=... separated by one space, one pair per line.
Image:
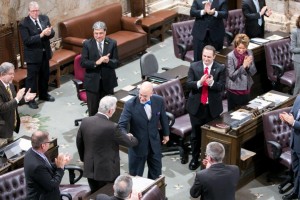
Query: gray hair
x=5 y=67
x=99 y=25
x=33 y=4
x=107 y=103
x=123 y=186
x=216 y=151
x=38 y=138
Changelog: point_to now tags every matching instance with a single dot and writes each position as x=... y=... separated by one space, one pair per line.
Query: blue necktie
x=148 y=103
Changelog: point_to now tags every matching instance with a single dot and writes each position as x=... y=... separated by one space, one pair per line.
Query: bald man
x=143 y=113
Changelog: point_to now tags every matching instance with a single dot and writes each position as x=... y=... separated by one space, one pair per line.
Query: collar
x=40 y=154
x=5 y=85
x=33 y=20
x=103 y=114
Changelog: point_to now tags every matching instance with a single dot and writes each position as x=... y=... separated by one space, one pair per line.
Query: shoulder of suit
x=157 y=97
x=197 y=63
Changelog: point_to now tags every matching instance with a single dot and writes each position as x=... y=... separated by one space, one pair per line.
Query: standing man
x=98 y=141
x=293 y=119
x=209 y=26
x=36 y=32
x=99 y=58
x=143 y=113
x=217 y=181
x=42 y=177
x=254 y=12
x=9 y=100
x=206 y=80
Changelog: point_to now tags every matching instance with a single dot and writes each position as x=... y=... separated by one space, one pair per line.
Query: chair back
x=7 y=47
x=153 y=194
x=173 y=95
x=148 y=64
x=235 y=24
x=78 y=70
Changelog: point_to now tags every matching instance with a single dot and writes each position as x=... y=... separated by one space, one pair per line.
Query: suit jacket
x=33 y=44
x=196 y=71
x=145 y=130
x=106 y=197
x=104 y=71
x=215 y=25
x=252 y=28
x=295 y=139
x=42 y=181
x=98 y=141
x=8 y=109
x=217 y=182
x=295 y=44
x=238 y=78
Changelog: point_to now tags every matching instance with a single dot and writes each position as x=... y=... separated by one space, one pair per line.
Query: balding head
x=146 y=91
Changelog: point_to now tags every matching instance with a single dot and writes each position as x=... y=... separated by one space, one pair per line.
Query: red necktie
x=204 y=94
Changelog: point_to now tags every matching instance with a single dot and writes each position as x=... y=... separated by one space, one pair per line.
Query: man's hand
x=20 y=94
x=46 y=32
x=211 y=12
x=203 y=78
x=103 y=59
x=165 y=139
x=268 y=12
x=206 y=163
x=263 y=10
x=62 y=160
x=29 y=96
x=287 y=117
x=207 y=7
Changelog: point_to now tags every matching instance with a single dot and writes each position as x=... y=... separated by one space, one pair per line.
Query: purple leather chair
x=153 y=194
x=234 y=24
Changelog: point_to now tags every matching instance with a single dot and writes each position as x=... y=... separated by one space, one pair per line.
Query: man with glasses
x=9 y=100
x=43 y=177
x=36 y=32
x=143 y=113
x=217 y=180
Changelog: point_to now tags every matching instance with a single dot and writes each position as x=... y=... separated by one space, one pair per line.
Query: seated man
x=122 y=189
x=217 y=181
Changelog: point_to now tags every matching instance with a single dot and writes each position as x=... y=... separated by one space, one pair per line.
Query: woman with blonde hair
x=239 y=69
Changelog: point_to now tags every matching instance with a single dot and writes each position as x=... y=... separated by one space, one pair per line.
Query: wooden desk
x=249 y=136
x=140 y=185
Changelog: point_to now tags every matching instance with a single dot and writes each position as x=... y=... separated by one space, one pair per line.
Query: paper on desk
x=128 y=88
x=277 y=98
x=252 y=45
x=25 y=144
x=259 y=40
x=245 y=154
x=258 y=103
x=238 y=115
x=124 y=99
x=274 y=37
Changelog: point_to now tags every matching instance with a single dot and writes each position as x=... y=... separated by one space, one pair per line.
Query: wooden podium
x=248 y=136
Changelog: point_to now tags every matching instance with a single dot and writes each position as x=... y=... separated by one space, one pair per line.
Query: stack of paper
x=258 y=103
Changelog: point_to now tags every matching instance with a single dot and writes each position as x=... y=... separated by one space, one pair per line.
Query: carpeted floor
x=58 y=119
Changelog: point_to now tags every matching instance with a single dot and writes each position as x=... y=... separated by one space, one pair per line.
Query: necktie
x=147 y=107
x=100 y=48
x=37 y=26
x=11 y=97
x=204 y=94
x=46 y=160
x=258 y=10
x=298 y=115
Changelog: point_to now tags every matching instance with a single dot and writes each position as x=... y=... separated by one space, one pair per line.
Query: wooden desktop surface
x=249 y=136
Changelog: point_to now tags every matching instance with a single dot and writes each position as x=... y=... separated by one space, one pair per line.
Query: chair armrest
x=132 y=24
x=229 y=37
x=78 y=84
x=278 y=70
x=182 y=50
x=165 y=68
x=72 y=177
x=74 y=41
x=171 y=119
x=276 y=149
x=65 y=194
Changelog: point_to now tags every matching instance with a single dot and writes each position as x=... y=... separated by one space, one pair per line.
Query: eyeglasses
x=34 y=11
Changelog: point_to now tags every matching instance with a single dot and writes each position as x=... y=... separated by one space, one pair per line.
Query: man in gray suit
x=98 y=141
x=217 y=181
x=295 y=49
x=143 y=113
x=293 y=119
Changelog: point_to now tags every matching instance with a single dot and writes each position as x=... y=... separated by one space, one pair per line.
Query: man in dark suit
x=42 y=177
x=122 y=189
x=209 y=26
x=36 y=32
x=99 y=58
x=206 y=80
x=143 y=114
x=293 y=119
x=254 y=12
x=9 y=100
x=98 y=141
x=217 y=181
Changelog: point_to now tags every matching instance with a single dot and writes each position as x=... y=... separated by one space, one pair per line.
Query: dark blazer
x=105 y=71
x=42 y=181
x=217 y=182
x=106 y=197
x=8 y=109
x=98 y=141
x=214 y=24
x=252 y=29
x=146 y=131
x=196 y=71
x=295 y=138
x=33 y=44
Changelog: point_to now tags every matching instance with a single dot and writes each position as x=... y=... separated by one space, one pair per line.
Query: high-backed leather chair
x=234 y=24
x=153 y=194
x=78 y=81
x=280 y=68
x=175 y=102
x=277 y=135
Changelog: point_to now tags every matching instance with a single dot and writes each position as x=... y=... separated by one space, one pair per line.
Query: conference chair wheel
x=281 y=191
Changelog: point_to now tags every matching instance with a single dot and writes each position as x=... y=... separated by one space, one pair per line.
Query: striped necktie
x=11 y=97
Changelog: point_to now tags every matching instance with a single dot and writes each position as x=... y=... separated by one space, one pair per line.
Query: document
x=245 y=154
x=274 y=37
x=259 y=40
x=276 y=98
x=252 y=45
x=240 y=115
x=258 y=103
x=128 y=88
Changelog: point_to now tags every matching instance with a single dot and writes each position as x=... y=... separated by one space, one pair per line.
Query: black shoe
x=194 y=164
x=33 y=105
x=290 y=196
x=47 y=98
